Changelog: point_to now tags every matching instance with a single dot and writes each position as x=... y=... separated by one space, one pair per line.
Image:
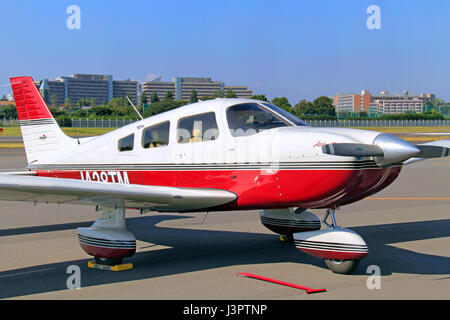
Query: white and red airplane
x=216 y=155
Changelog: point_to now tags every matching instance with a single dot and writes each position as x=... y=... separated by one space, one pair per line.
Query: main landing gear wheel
x=342 y=266
x=108 y=261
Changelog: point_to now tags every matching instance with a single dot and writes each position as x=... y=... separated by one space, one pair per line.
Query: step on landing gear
x=341 y=249
x=108 y=240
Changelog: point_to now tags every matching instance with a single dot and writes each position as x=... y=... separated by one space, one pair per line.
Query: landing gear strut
x=334 y=224
x=341 y=249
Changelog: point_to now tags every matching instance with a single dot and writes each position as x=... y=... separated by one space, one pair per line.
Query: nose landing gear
x=341 y=249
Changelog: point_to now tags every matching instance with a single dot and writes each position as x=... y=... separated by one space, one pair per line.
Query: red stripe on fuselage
x=256 y=190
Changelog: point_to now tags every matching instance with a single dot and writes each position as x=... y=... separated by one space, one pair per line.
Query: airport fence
x=378 y=123
x=117 y=123
x=77 y=123
x=100 y=123
x=10 y=122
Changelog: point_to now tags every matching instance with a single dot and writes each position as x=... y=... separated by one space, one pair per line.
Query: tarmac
x=198 y=256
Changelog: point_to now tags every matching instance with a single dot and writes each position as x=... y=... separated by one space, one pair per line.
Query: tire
x=108 y=261
x=342 y=266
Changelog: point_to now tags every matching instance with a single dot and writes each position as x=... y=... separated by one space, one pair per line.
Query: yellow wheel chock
x=119 y=267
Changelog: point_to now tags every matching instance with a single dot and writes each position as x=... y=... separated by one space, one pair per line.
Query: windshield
x=286 y=114
x=249 y=118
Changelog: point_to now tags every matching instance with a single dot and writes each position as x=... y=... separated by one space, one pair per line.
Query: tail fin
x=41 y=134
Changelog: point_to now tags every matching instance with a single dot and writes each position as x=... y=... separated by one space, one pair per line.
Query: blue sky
x=298 y=49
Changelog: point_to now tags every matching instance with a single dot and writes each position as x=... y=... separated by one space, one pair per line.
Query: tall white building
x=182 y=87
x=383 y=103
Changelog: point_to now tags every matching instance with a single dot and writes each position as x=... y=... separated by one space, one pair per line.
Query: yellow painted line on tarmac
x=11 y=145
x=27 y=272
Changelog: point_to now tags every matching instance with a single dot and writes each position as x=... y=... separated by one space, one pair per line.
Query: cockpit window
x=286 y=114
x=249 y=118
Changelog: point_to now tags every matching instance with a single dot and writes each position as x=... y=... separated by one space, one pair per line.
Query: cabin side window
x=198 y=128
x=156 y=135
x=126 y=143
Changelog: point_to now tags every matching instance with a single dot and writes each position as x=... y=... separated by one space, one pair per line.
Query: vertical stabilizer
x=41 y=134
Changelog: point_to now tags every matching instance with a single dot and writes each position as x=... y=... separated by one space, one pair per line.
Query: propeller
x=433 y=149
x=427 y=152
x=386 y=149
x=353 y=150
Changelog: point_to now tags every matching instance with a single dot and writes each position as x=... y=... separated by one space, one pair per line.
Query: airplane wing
x=15 y=187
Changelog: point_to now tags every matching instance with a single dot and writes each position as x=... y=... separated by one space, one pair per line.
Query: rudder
x=41 y=134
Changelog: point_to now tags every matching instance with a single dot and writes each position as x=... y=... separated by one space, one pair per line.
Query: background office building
x=159 y=87
x=351 y=102
x=182 y=87
x=241 y=91
x=401 y=103
x=383 y=103
x=102 y=88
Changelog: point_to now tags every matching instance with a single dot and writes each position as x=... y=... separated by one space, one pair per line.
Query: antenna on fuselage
x=134 y=107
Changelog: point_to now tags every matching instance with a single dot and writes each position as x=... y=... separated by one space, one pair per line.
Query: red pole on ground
x=308 y=290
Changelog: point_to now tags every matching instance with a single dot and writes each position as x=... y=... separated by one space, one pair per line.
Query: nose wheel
x=341 y=249
x=340 y=266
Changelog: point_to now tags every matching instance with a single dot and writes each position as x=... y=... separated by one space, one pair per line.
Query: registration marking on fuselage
x=106 y=176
